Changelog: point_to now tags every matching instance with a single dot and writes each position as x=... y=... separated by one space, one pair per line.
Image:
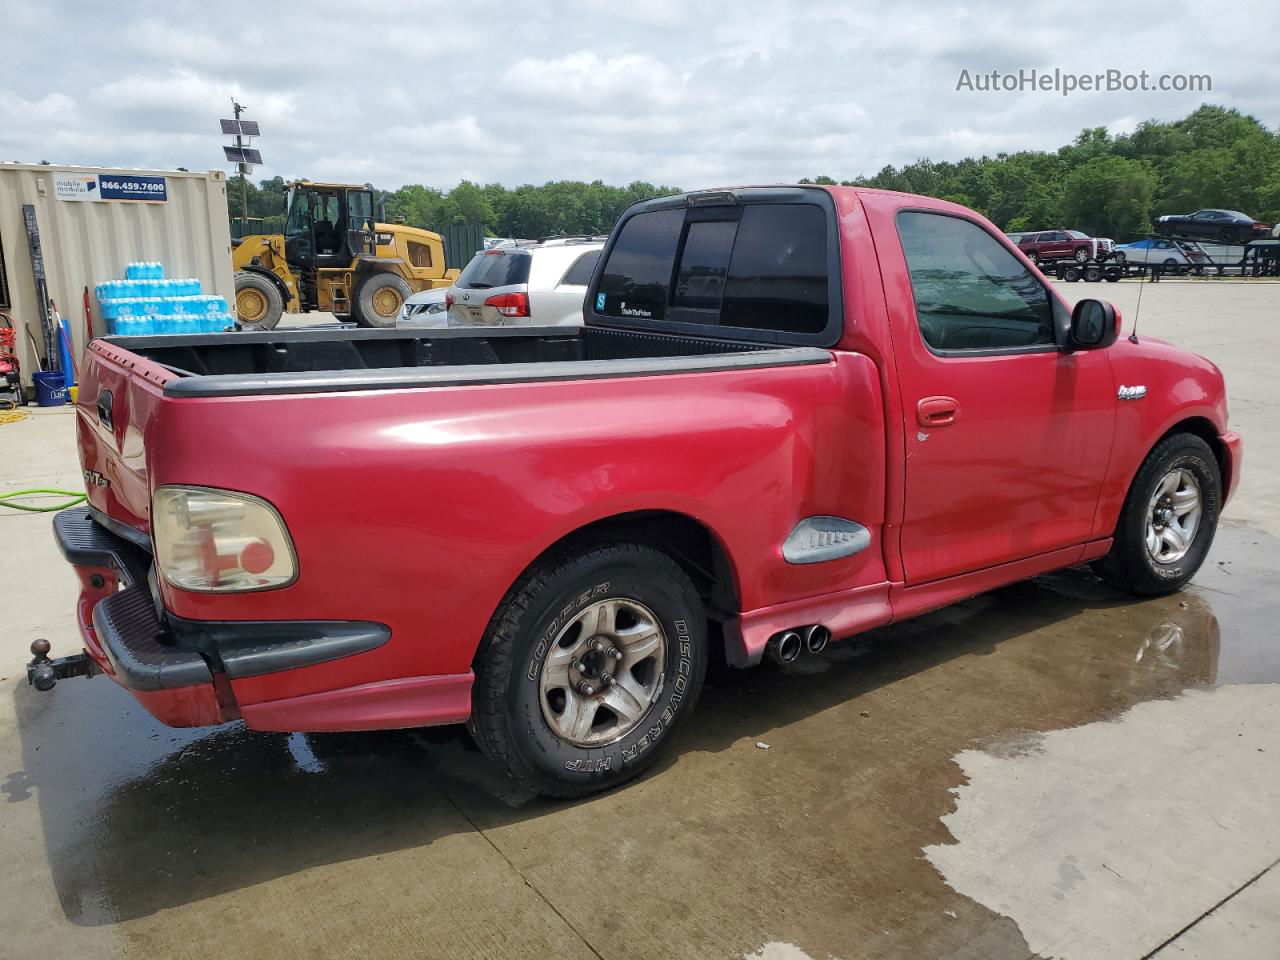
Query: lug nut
x=585 y=688
x=615 y=653
x=576 y=664
x=606 y=679
x=597 y=645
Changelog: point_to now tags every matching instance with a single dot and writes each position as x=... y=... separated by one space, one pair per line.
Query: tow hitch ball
x=43 y=673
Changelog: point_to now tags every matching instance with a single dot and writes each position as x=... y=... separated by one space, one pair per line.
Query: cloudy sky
x=681 y=92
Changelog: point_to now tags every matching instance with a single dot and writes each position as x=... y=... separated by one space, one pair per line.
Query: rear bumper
x=1233 y=446
x=180 y=670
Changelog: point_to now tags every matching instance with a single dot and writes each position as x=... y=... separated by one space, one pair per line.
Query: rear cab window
x=764 y=271
x=495 y=268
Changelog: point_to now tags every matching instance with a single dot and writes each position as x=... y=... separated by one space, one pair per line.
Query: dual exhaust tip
x=785 y=646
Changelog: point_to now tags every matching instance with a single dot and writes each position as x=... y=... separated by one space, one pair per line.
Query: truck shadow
x=138 y=819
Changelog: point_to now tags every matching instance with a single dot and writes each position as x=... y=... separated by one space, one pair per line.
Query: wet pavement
x=1051 y=769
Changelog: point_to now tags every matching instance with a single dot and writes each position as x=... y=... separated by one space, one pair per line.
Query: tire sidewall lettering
x=678 y=685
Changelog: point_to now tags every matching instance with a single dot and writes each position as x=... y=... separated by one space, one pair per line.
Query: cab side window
x=971 y=293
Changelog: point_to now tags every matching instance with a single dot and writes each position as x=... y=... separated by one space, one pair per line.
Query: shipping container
x=91 y=222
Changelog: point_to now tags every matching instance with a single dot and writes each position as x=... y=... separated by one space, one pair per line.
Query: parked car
x=425 y=308
x=793 y=414
x=1162 y=251
x=1225 y=226
x=1047 y=245
x=527 y=283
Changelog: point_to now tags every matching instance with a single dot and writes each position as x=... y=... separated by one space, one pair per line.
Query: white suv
x=527 y=283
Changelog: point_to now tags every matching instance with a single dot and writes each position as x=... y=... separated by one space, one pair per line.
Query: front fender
x=1180 y=387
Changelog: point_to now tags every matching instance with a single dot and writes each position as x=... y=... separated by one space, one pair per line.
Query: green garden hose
x=6 y=499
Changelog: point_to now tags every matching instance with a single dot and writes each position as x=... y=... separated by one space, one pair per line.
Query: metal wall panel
x=85 y=242
x=461 y=241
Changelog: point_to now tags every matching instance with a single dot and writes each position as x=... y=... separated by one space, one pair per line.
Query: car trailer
x=1091 y=271
x=1261 y=258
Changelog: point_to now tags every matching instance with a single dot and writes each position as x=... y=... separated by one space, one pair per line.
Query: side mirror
x=1093 y=325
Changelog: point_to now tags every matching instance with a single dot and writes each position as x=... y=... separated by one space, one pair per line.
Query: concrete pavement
x=1050 y=769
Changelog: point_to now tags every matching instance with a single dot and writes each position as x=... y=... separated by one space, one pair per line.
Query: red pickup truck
x=791 y=414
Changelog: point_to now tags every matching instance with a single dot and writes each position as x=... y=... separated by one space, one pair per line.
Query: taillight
x=448 y=300
x=219 y=541
x=510 y=304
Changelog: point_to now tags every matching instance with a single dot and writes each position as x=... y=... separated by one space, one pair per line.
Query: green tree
x=1109 y=196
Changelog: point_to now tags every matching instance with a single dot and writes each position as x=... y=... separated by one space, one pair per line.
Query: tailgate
x=116 y=413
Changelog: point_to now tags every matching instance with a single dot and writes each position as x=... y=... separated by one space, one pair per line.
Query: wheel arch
x=693 y=545
x=688 y=541
x=1203 y=428
x=280 y=285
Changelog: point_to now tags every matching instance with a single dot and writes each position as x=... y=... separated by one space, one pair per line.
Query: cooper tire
x=259 y=305
x=539 y=619
x=1130 y=565
x=379 y=299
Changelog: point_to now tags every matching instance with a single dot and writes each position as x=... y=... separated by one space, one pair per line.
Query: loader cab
x=328 y=225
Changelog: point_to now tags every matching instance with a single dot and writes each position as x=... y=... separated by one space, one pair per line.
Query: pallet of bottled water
x=146 y=302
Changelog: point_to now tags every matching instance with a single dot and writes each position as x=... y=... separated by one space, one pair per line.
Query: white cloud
x=685 y=92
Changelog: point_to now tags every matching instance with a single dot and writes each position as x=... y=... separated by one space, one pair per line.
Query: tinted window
x=494 y=268
x=703 y=264
x=778 y=275
x=637 y=275
x=971 y=293
x=579 y=274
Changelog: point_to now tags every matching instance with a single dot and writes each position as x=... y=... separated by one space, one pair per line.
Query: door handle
x=937 y=411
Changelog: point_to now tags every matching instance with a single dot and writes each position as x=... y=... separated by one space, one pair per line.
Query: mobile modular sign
x=110 y=186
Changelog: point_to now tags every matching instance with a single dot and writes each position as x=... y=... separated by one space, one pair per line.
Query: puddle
x=1105 y=839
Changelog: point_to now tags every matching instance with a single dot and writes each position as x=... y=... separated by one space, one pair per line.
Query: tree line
x=1105 y=184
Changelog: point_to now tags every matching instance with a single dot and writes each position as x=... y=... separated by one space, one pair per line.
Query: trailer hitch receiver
x=43 y=673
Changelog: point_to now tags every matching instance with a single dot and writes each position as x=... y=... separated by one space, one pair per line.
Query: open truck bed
x=306 y=361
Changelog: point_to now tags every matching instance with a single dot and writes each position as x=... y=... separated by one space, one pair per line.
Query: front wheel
x=589 y=663
x=259 y=305
x=1168 y=520
x=1081 y=255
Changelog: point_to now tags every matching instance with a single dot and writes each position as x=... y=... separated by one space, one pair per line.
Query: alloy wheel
x=1173 y=516
x=603 y=673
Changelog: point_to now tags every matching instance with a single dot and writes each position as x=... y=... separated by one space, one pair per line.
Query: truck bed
x=307 y=361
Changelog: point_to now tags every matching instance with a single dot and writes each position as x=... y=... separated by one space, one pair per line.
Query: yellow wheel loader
x=334 y=256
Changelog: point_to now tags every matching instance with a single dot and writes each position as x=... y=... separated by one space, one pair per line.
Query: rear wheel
x=1071 y=274
x=589 y=663
x=379 y=299
x=1168 y=521
x=259 y=305
x=1118 y=258
x=1092 y=273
